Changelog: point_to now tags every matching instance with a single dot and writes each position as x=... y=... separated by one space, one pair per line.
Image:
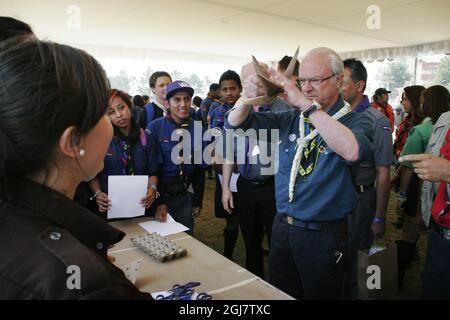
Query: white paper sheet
x=233 y=181
x=126 y=193
x=164 y=228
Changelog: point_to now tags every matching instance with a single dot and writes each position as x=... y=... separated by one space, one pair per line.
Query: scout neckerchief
x=183 y=125
x=125 y=148
x=403 y=131
x=303 y=142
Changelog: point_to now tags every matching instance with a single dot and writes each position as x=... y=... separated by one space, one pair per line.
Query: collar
x=363 y=105
x=376 y=103
x=168 y=116
x=51 y=205
x=336 y=106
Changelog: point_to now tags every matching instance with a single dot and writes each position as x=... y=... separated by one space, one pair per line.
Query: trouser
x=309 y=264
x=361 y=237
x=180 y=208
x=230 y=235
x=436 y=275
x=257 y=209
x=231 y=230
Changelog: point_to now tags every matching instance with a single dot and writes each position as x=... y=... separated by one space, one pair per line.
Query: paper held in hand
x=126 y=193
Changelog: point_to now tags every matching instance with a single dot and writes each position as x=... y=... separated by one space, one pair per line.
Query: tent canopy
x=268 y=28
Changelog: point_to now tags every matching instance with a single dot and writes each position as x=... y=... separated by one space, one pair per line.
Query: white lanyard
x=303 y=143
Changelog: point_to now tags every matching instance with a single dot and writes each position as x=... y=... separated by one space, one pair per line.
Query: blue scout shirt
x=212 y=110
x=194 y=114
x=204 y=108
x=218 y=115
x=365 y=173
x=160 y=131
x=327 y=193
x=115 y=161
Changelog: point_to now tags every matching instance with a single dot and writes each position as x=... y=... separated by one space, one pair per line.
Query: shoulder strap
x=150 y=112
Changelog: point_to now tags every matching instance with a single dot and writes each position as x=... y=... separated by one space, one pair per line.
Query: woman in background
x=434 y=101
x=128 y=154
x=411 y=105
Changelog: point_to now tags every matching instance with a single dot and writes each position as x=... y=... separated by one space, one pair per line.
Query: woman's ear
x=68 y=143
x=167 y=104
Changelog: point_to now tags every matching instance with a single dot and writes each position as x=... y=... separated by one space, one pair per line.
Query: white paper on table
x=233 y=181
x=126 y=193
x=132 y=270
x=164 y=228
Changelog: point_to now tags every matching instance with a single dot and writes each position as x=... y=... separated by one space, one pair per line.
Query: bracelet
x=157 y=194
x=95 y=195
x=378 y=219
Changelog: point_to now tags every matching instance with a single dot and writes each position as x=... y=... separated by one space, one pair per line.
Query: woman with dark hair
x=128 y=154
x=434 y=101
x=411 y=105
x=53 y=135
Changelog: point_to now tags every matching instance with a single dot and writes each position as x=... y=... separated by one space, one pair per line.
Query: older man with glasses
x=319 y=140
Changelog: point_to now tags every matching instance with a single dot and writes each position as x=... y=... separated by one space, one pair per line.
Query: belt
x=442 y=231
x=258 y=182
x=314 y=226
x=363 y=188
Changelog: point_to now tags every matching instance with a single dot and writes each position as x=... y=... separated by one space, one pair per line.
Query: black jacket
x=43 y=234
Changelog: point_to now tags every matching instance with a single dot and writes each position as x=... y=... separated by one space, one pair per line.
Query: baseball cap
x=381 y=91
x=178 y=86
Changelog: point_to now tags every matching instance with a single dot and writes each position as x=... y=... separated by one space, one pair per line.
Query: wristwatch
x=313 y=108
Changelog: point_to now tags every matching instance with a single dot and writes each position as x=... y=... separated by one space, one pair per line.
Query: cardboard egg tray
x=161 y=249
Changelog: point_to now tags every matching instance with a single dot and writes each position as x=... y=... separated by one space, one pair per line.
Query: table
x=219 y=276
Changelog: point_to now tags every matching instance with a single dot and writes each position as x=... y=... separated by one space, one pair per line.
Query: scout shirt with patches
x=326 y=193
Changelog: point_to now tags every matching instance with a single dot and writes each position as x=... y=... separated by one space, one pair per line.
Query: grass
x=209 y=229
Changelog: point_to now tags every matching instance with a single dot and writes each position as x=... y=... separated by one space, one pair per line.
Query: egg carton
x=161 y=249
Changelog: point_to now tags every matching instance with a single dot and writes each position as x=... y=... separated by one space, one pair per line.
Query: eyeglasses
x=314 y=82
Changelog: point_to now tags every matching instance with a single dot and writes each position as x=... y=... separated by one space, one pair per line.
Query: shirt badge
x=292 y=137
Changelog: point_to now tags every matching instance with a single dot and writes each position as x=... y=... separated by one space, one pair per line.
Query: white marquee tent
x=213 y=29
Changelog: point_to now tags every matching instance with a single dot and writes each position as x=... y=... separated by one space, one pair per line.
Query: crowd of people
x=320 y=199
